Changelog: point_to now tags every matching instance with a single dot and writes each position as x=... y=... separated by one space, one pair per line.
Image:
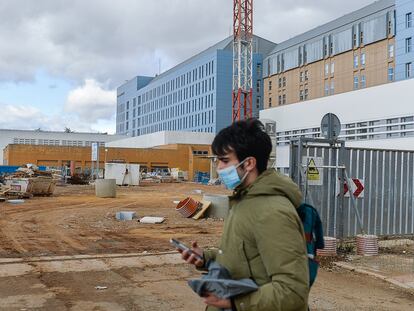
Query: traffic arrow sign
x=357 y=188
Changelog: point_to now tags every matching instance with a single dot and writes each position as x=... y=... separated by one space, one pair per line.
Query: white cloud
x=98 y=44
x=109 y=41
x=91 y=102
x=29 y=118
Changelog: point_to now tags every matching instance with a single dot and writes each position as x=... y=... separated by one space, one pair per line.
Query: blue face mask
x=230 y=177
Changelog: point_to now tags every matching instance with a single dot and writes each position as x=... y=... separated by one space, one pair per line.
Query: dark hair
x=247 y=139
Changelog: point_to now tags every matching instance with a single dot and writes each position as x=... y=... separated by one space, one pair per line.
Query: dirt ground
x=74 y=222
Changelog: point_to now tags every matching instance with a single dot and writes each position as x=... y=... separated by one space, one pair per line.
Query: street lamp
x=106 y=152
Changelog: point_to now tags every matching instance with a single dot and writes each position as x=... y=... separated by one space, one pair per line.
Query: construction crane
x=242 y=94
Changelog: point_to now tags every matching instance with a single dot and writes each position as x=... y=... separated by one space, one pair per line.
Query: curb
x=373 y=274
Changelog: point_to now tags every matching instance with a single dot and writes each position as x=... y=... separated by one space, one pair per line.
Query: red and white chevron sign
x=357 y=188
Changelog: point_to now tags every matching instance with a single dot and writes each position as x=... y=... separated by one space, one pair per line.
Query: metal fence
x=381 y=183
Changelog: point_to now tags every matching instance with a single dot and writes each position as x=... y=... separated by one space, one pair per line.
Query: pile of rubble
x=28 y=181
x=31 y=170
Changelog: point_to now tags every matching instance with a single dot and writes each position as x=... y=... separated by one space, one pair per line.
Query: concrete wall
x=163 y=138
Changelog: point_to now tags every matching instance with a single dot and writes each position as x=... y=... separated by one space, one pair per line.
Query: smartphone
x=183 y=247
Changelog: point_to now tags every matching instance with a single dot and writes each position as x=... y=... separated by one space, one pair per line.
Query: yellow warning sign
x=312 y=173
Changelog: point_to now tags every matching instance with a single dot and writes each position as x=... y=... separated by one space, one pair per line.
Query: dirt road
x=75 y=222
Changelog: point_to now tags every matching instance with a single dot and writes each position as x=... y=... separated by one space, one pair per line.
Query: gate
x=355 y=190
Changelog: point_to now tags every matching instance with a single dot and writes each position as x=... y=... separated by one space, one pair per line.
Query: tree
x=68 y=130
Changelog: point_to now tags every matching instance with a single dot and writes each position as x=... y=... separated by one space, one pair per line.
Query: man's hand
x=212 y=300
x=191 y=258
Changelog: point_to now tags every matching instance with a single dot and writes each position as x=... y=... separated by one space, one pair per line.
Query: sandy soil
x=74 y=222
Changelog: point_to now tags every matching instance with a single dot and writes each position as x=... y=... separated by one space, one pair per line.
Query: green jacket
x=263 y=239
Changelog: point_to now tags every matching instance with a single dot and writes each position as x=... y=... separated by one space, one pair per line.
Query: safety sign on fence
x=357 y=188
x=313 y=170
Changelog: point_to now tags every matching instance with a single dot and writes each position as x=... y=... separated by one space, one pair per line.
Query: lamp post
x=106 y=152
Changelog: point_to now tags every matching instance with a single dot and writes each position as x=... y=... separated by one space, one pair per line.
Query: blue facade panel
x=404 y=39
x=224 y=87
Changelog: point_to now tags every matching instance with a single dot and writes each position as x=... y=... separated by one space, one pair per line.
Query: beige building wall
x=332 y=75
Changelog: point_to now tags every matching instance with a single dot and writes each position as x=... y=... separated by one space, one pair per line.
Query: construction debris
x=204 y=206
x=151 y=220
x=101 y=287
x=29 y=180
x=187 y=207
x=125 y=215
x=17 y=201
x=79 y=179
x=179 y=175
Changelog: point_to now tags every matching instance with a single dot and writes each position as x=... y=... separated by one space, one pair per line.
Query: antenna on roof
x=159 y=65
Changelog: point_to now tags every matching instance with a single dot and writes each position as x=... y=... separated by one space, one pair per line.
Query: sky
x=62 y=61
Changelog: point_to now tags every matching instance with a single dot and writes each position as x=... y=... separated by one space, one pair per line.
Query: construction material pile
x=28 y=181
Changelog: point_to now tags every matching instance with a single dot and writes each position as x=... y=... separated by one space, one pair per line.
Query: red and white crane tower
x=242 y=95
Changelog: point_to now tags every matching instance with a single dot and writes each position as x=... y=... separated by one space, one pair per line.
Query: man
x=263 y=237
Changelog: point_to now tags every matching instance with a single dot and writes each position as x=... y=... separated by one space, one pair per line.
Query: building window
x=280 y=82
x=326 y=69
x=390 y=74
x=408 y=70
x=325 y=48
x=389 y=29
x=356 y=61
x=332 y=68
x=326 y=89
x=363 y=59
x=280 y=100
x=301 y=76
x=354 y=40
x=332 y=87
x=408 y=20
x=361 y=37
x=301 y=95
x=306 y=75
x=284 y=81
x=408 y=45
x=306 y=94
x=363 y=82
x=356 y=82
x=391 y=50
x=270 y=85
x=258 y=70
x=284 y=99
x=270 y=102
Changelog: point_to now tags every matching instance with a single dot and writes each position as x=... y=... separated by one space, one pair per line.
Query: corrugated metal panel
x=291 y=59
x=347 y=19
x=314 y=51
x=342 y=41
x=387 y=204
x=272 y=65
x=375 y=29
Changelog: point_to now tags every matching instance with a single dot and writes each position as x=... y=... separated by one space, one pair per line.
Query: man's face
x=227 y=160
